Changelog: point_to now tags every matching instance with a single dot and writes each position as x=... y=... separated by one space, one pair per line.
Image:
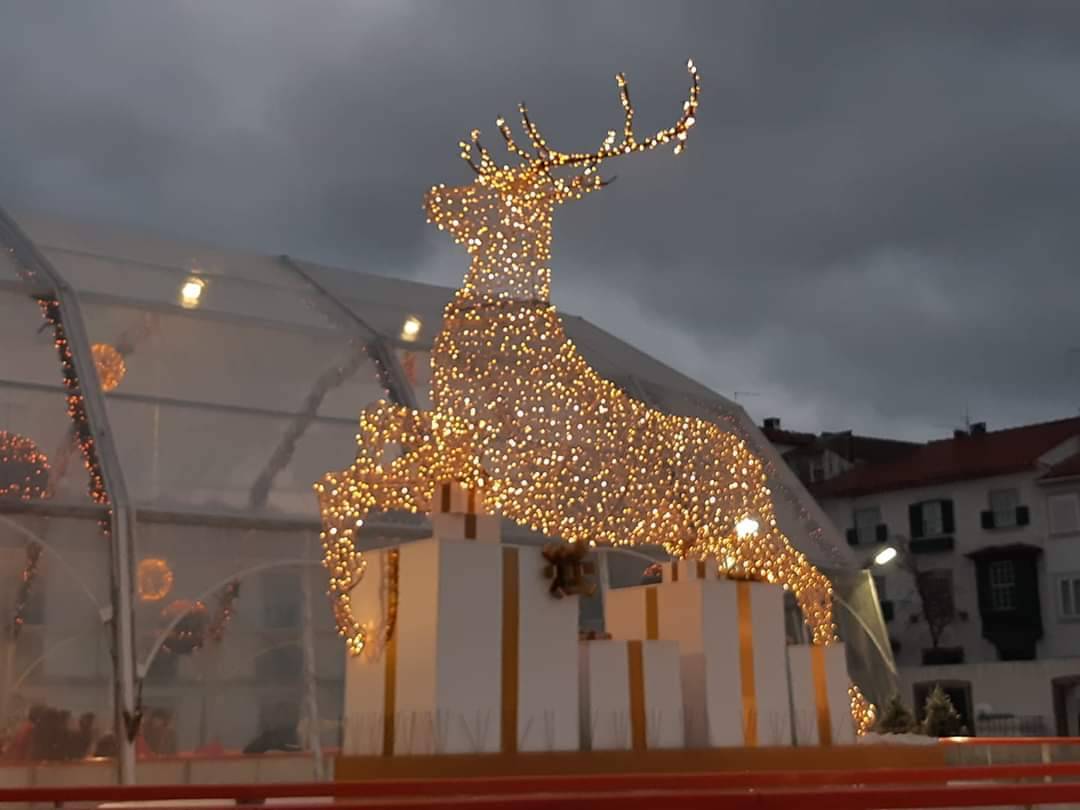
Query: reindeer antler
x=550 y=158
x=546 y=158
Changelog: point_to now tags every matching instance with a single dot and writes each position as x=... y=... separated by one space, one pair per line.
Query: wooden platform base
x=566 y=763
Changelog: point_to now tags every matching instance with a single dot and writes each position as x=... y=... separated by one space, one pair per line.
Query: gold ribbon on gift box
x=511 y=620
x=508 y=709
x=698 y=569
x=743 y=595
x=821 y=694
x=746 y=662
x=471 y=507
x=635 y=670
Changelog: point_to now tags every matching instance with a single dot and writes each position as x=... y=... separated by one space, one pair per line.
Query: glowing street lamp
x=885 y=556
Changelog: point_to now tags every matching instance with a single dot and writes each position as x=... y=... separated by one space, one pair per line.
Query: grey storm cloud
x=874 y=226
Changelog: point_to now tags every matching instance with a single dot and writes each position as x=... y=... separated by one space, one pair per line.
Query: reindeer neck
x=510 y=264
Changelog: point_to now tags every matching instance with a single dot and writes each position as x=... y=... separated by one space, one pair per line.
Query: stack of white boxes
x=483 y=659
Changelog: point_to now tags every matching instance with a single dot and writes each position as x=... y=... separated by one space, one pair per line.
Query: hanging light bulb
x=411 y=328
x=191 y=292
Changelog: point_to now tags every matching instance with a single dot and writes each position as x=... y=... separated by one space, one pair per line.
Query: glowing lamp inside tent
x=191 y=293
x=411 y=328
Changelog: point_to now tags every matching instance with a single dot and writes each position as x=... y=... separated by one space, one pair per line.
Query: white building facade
x=990 y=524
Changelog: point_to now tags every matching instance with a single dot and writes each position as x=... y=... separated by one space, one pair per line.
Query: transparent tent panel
x=57 y=570
x=40 y=416
x=386 y=304
x=210 y=460
x=40 y=457
x=241 y=667
x=94 y=239
x=193 y=357
x=10 y=271
x=112 y=278
x=28 y=352
x=861 y=627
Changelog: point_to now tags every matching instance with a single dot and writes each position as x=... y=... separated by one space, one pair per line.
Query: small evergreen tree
x=942 y=719
x=896 y=718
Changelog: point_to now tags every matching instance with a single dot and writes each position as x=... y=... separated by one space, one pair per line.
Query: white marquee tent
x=243 y=377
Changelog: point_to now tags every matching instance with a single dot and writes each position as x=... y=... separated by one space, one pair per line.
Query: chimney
x=978 y=429
x=772 y=423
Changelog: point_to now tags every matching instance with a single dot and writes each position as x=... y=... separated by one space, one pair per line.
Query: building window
x=1069 y=597
x=1002 y=586
x=867 y=520
x=931 y=518
x=932 y=523
x=1003 y=505
x=1064 y=514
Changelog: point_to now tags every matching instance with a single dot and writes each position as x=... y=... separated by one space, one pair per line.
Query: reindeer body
x=518 y=413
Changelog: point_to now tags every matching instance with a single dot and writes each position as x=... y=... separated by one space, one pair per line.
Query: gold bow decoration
x=567 y=569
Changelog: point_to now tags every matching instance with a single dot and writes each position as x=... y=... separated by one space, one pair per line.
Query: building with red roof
x=984 y=595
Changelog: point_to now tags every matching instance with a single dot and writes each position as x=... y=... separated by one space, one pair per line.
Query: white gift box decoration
x=481 y=657
x=732 y=643
x=631 y=695
x=819 y=694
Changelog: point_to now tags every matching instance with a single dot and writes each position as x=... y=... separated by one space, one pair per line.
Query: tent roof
x=268 y=330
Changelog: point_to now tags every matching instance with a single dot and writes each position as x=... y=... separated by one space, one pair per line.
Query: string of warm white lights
x=50 y=310
x=225 y=610
x=26 y=584
x=519 y=414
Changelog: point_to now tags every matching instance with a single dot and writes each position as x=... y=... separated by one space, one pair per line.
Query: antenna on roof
x=1072 y=354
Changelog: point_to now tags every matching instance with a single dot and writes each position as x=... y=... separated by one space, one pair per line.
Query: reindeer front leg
x=401 y=455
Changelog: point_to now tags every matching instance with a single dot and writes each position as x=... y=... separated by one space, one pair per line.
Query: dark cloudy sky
x=876 y=224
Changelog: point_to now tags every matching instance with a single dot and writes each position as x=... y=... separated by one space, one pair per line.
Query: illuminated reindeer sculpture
x=518 y=413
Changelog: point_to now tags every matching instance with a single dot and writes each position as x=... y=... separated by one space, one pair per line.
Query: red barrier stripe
x=847 y=798
x=565 y=785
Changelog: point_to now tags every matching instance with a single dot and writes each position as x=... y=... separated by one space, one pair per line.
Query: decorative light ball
x=155 y=579
x=110 y=365
x=24 y=469
x=189 y=633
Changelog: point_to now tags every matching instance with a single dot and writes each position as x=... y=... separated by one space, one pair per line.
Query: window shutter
x=1023 y=516
x=853 y=537
x=915 y=518
x=987 y=518
x=882 y=533
x=947 y=524
x=1027 y=591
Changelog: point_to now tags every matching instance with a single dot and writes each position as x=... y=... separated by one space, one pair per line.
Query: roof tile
x=999 y=452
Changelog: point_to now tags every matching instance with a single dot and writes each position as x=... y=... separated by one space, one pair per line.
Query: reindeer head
x=504 y=217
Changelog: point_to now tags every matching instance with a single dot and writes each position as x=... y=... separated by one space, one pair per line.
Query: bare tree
x=937 y=610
